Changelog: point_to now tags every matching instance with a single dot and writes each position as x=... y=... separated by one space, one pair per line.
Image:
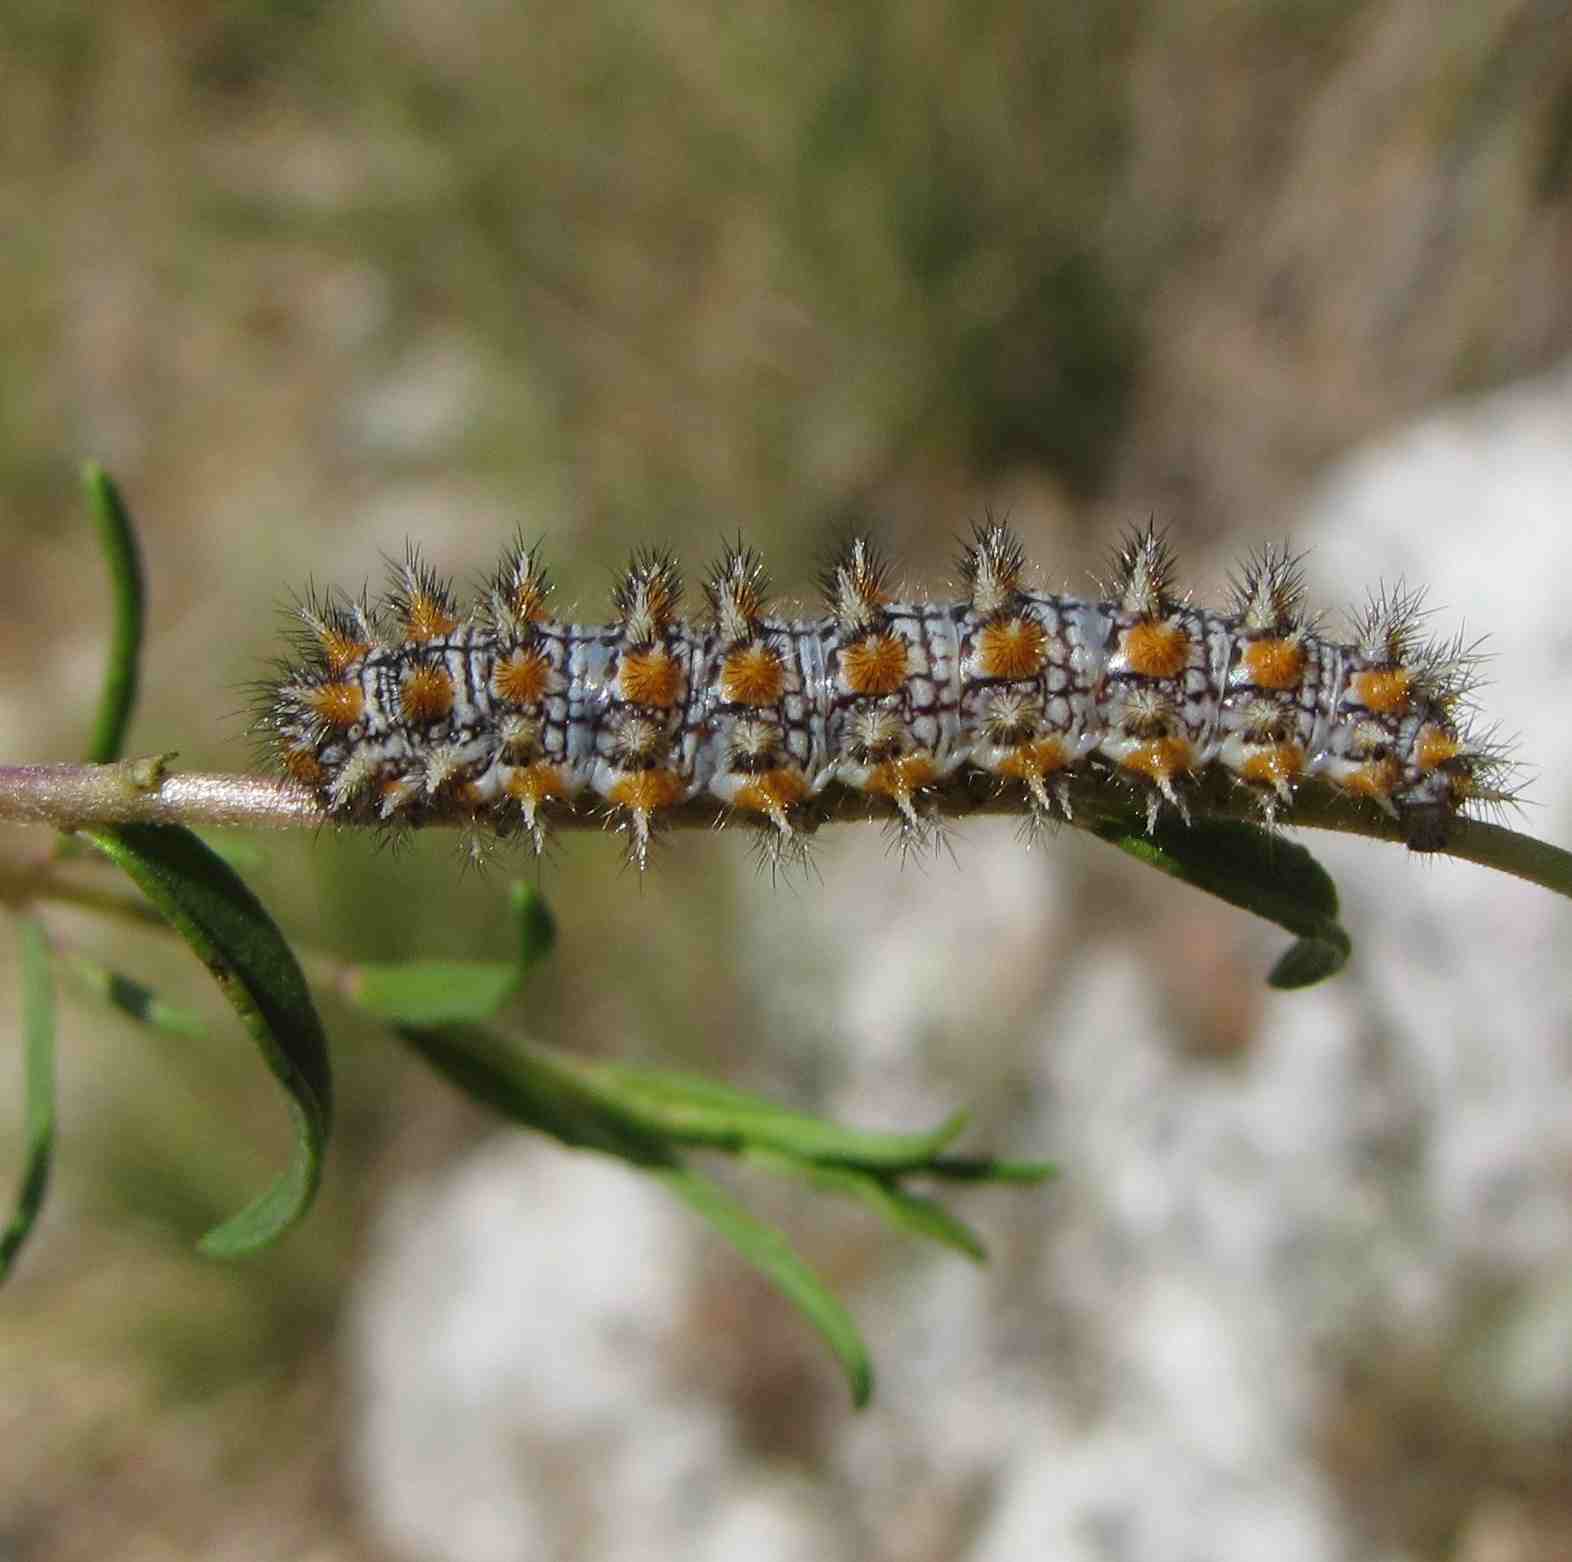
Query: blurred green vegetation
x=892 y=221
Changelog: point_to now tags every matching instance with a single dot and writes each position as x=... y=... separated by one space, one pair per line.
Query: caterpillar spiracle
x=413 y=710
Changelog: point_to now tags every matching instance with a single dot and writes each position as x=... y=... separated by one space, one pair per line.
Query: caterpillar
x=412 y=710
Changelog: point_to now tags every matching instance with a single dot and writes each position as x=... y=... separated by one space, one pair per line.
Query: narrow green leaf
x=532 y=1087
x=769 y=1252
x=898 y=1208
x=428 y=993
x=533 y=922
x=984 y=1168
x=432 y=992
x=1261 y=872
x=131 y=997
x=117 y=538
x=231 y=933
x=242 y=855
x=1312 y=959
x=38 y=1044
x=922 y=1217
x=697 y=1111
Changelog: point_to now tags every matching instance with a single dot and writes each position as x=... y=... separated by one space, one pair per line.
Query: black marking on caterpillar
x=414 y=710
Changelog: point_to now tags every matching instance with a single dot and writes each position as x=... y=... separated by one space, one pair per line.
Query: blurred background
x=312 y=279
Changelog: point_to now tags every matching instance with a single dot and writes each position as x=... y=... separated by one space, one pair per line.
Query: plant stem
x=145 y=791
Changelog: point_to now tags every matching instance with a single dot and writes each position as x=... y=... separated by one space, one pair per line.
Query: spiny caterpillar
x=413 y=711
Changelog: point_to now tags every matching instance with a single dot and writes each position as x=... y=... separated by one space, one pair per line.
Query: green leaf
x=985 y=1168
x=432 y=992
x=547 y=1093
x=231 y=933
x=535 y=1088
x=898 y=1208
x=38 y=1043
x=533 y=923
x=131 y=997
x=769 y=1252
x=242 y=855
x=1257 y=870
x=117 y=538
x=697 y=1111
x=643 y=1115
x=922 y=1217
x=429 y=993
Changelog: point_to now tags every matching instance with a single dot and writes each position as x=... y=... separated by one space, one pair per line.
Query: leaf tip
x=537 y=928
x=1309 y=961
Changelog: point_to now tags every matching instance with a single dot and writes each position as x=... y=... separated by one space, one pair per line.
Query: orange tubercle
x=1275 y=766
x=647 y=790
x=1156 y=650
x=1383 y=689
x=529 y=601
x=651 y=678
x=772 y=791
x=535 y=783
x=1274 y=664
x=1161 y=759
x=1435 y=747
x=426 y=619
x=899 y=778
x=1377 y=780
x=300 y=764
x=1014 y=648
x=523 y=678
x=1039 y=758
x=875 y=664
x=426 y=694
x=337 y=704
x=342 y=651
x=753 y=676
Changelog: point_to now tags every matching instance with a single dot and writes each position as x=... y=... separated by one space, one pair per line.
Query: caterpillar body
x=412 y=710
